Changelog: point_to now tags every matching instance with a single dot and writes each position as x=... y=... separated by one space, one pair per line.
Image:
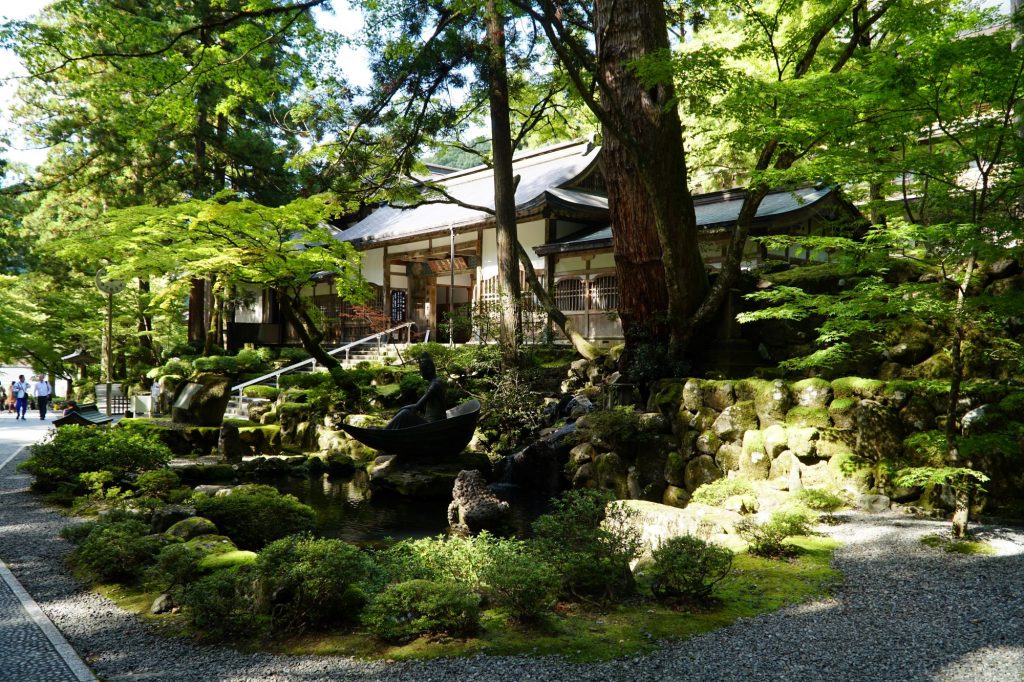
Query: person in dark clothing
x=429 y=408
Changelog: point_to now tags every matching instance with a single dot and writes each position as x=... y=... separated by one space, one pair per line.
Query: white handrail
x=312 y=361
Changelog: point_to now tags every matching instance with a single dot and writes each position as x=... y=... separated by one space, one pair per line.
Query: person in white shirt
x=43 y=394
x=20 y=390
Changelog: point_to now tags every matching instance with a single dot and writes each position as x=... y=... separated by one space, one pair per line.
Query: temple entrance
x=452 y=313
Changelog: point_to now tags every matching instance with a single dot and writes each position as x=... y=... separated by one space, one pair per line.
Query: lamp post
x=109 y=287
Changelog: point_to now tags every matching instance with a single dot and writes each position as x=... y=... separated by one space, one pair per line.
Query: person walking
x=10 y=398
x=43 y=394
x=20 y=389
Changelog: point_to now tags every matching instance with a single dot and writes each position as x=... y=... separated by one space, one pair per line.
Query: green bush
x=513 y=416
x=418 y=607
x=246 y=361
x=158 y=483
x=518 y=580
x=268 y=392
x=253 y=515
x=116 y=550
x=218 y=604
x=321 y=578
x=177 y=564
x=686 y=569
x=821 y=500
x=590 y=543
x=306 y=380
x=73 y=450
x=181 y=367
x=78 y=532
x=768 y=539
x=442 y=559
x=718 y=491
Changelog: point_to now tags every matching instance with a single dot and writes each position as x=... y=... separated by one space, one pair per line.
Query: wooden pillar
x=387 y=287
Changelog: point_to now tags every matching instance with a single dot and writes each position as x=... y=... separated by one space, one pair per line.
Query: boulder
x=581 y=454
x=812 y=392
x=782 y=466
x=666 y=396
x=395 y=476
x=708 y=443
x=938 y=366
x=741 y=504
x=1002 y=268
x=802 y=442
x=816 y=417
x=654 y=422
x=474 y=506
x=699 y=471
x=917 y=415
x=192 y=527
x=207 y=545
x=162 y=604
x=585 y=476
x=229 y=443
x=728 y=456
x=816 y=475
x=878 y=433
x=656 y=523
x=872 y=503
x=772 y=403
x=735 y=420
x=840 y=412
x=538 y=468
x=612 y=474
x=675 y=497
x=976 y=420
x=703 y=419
x=168 y=515
x=211 y=489
x=675 y=469
x=693 y=394
x=649 y=472
x=755 y=463
x=1006 y=285
x=719 y=395
x=207 y=405
x=775 y=440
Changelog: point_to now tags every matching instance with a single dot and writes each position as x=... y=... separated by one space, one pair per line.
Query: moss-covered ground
x=578 y=632
x=958 y=546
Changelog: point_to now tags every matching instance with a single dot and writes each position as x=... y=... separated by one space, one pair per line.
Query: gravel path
x=904 y=612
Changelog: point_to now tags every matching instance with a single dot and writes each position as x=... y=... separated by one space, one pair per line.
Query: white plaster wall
x=252 y=310
x=373 y=266
x=531 y=234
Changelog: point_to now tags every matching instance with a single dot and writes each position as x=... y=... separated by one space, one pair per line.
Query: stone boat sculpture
x=447 y=436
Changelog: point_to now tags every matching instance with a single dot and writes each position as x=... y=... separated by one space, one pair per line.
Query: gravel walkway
x=904 y=612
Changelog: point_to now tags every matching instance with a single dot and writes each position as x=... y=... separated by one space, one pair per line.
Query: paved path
x=32 y=648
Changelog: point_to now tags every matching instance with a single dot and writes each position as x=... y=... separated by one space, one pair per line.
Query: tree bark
x=506 y=232
x=657 y=260
x=309 y=334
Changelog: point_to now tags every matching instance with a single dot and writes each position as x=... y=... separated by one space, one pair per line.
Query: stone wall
x=847 y=433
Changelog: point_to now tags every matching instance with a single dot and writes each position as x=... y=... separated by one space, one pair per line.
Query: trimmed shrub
x=519 y=580
x=116 y=550
x=768 y=539
x=320 y=578
x=158 y=483
x=253 y=515
x=821 y=500
x=218 y=604
x=718 y=491
x=306 y=380
x=72 y=450
x=686 y=569
x=442 y=559
x=268 y=392
x=419 y=607
x=589 y=543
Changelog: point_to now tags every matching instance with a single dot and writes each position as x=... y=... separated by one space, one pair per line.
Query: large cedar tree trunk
x=657 y=260
x=506 y=234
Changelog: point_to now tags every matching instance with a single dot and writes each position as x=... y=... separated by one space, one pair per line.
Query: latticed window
x=569 y=295
x=604 y=293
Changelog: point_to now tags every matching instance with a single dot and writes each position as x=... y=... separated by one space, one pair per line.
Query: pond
x=347 y=510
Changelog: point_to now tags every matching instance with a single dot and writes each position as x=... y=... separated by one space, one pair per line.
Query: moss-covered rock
x=812 y=392
x=209 y=402
x=846 y=471
x=703 y=419
x=339 y=464
x=226 y=560
x=197 y=474
x=612 y=474
x=728 y=456
x=675 y=497
x=775 y=440
x=708 y=443
x=918 y=415
x=666 y=396
x=816 y=417
x=803 y=441
x=926 y=449
x=693 y=394
x=206 y=545
x=701 y=470
x=857 y=387
x=192 y=527
x=782 y=465
x=878 y=433
x=719 y=395
x=675 y=469
x=772 y=401
x=735 y=420
x=938 y=366
x=754 y=460
x=840 y=412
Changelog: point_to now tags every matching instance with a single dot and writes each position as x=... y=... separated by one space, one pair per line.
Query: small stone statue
x=429 y=408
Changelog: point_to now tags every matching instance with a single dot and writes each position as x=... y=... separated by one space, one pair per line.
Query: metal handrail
x=312 y=361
